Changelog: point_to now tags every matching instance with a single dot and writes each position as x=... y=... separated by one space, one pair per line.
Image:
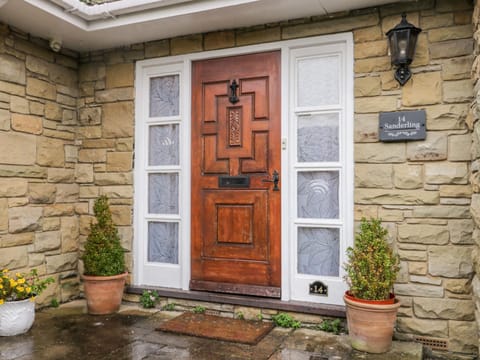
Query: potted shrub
x=104 y=263
x=17 y=300
x=371 y=271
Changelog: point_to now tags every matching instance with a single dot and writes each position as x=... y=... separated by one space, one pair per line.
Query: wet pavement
x=69 y=333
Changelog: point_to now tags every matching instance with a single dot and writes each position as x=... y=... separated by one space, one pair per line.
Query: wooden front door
x=236 y=222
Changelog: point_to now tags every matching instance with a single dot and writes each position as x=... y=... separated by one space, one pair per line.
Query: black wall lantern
x=402 y=40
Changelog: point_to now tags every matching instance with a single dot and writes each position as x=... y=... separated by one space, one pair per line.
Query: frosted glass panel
x=318 y=81
x=164 y=96
x=163 y=242
x=318 y=138
x=317 y=194
x=163 y=145
x=318 y=251
x=163 y=193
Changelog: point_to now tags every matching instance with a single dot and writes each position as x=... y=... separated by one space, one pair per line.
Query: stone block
x=70 y=231
x=39 y=193
x=62 y=262
x=71 y=153
x=17 y=149
x=61 y=175
x=420 y=290
x=450 y=33
x=58 y=210
x=445 y=309
x=121 y=214
x=372 y=65
x=19 y=105
x=12 y=89
x=119 y=161
x=47 y=241
x=13 y=187
x=395 y=197
x=9 y=240
x=118 y=120
x=113 y=179
x=434 y=147
x=461 y=231
x=53 y=111
x=5 y=117
x=112 y=95
x=412 y=255
x=423 y=89
x=23 y=219
x=117 y=192
x=370 y=49
x=449 y=6
x=450 y=261
x=408 y=176
x=84 y=173
x=3 y=216
x=457 y=91
x=422 y=53
x=50 y=152
x=451 y=48
x=186 y=44
x=446 y=117
x=457 y=68
x=442 y=211
x=446 y=173
x=219 y=40
x=92 y=155
x=458 y=149
x=458 y=286
x=461 y=191
x=367 y=86
x=367 y=34
x=417 y=267
x=425 y=280
x=436 y=21
x=40 y=88
x=67 y=193
x=157 y=48
x=258 y=36
x=88 y=192
x=90 y=115
x=423 y=234
x=380 y=153
x=373 y=176
x=91 y=71
x=463 y=337
x=37 y=65
x=366 y=128
x=12 y=69
x=34 y=172
x=50 y=224
x=14 y=257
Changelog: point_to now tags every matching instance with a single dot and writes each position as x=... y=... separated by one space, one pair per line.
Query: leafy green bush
x=372 y=267
x=286 y=321
x=149 y=298
x=199 y=309
x=333 y=326
x=169 y=307
x=103 y=255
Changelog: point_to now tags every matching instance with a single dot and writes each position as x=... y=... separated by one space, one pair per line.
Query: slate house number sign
x=402 y=125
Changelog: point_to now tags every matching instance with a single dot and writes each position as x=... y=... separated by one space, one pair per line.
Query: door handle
x=275 y=179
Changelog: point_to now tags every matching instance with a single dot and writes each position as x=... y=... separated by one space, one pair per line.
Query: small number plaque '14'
x=318 y=288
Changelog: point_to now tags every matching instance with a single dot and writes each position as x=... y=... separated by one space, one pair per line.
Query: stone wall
x=420 y=189
x=39 y=205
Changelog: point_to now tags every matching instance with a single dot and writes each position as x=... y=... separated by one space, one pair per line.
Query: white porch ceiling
x=82 y=28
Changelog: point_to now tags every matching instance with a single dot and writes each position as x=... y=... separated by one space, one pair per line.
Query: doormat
x=218 y=328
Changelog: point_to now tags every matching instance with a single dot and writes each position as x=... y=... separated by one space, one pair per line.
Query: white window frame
x=180 y=277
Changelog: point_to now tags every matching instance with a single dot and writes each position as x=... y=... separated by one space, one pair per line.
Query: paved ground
x=68 y=333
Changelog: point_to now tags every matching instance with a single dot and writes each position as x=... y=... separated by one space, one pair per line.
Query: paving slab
x=68 y=332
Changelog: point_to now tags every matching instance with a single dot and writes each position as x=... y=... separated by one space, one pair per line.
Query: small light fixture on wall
x=402 y=40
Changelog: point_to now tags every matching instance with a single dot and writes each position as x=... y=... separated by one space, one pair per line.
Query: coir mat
x=218 y=328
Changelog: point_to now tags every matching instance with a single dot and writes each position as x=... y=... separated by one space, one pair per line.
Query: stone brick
x=367 y=86
x=27 y=123
x=41 y=89
x=23 y=171
x=50 y=224
x=457 y=91
x=71 y=153
x=186 y=44
x=60 y=175
x=13 y=187
x=412 y=255
x=157 y=48
x=84 y=173
x=12 y=89
x=457 y=68
x=446 y=117
x=219 y=40
x=450 y=261
x=455 y=191
x=12 y=69
x=434 y=147
x=423 y=234
x=367 y=34
x=448 y=6
x=25 y=218
x=89 y=132
x=17 y=149
x=371 y=65
x=112 y=95
x=92 y=71
x=366 y=128
x=121 y=214
x=9 y=240
x=450 y=33
x=463 y=337
x=58 y=210
x=417 y=267
x=426 y=280
x=422 y=53
x=37 y=65
x=444 y=309
x=90 y=115
x=4 y=119
x=119 y=161
x=50 y=152
x=41 y=193
x=92 y=155
x=69 y=233
x=408 y=176
x=67 y=192
x=380 y=153
x=458 y=149
x=451 y=48
x=461 y=231
x=62 y=262
x=340 y=24
x=118 y=120
x=47 y=241
x=395 y=197
x=53 y=111
x=88 y=192
x=3 y=215
x=14 y=257
x=436 y=21
x=19 y=105
x=442 y=211
x=370 y=49
x=113 y=178
x=373 y=176
x=258 y=36
x=420 y=290
x=446 y=173
x=458 y=286
x=423 y=89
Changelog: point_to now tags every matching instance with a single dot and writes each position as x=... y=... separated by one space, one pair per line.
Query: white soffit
x=82 y=27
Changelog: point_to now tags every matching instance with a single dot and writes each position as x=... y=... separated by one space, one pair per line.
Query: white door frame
x=183 y=64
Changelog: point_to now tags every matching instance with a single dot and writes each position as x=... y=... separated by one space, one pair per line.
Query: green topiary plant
x=104 y=256
x=372 y=267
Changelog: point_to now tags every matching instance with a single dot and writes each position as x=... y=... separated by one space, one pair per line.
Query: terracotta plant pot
x=104 y=293
x=370 y=324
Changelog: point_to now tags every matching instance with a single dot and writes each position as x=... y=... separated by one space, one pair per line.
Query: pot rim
x=104 y=278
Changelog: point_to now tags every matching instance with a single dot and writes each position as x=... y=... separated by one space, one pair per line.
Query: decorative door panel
x=235 y=152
